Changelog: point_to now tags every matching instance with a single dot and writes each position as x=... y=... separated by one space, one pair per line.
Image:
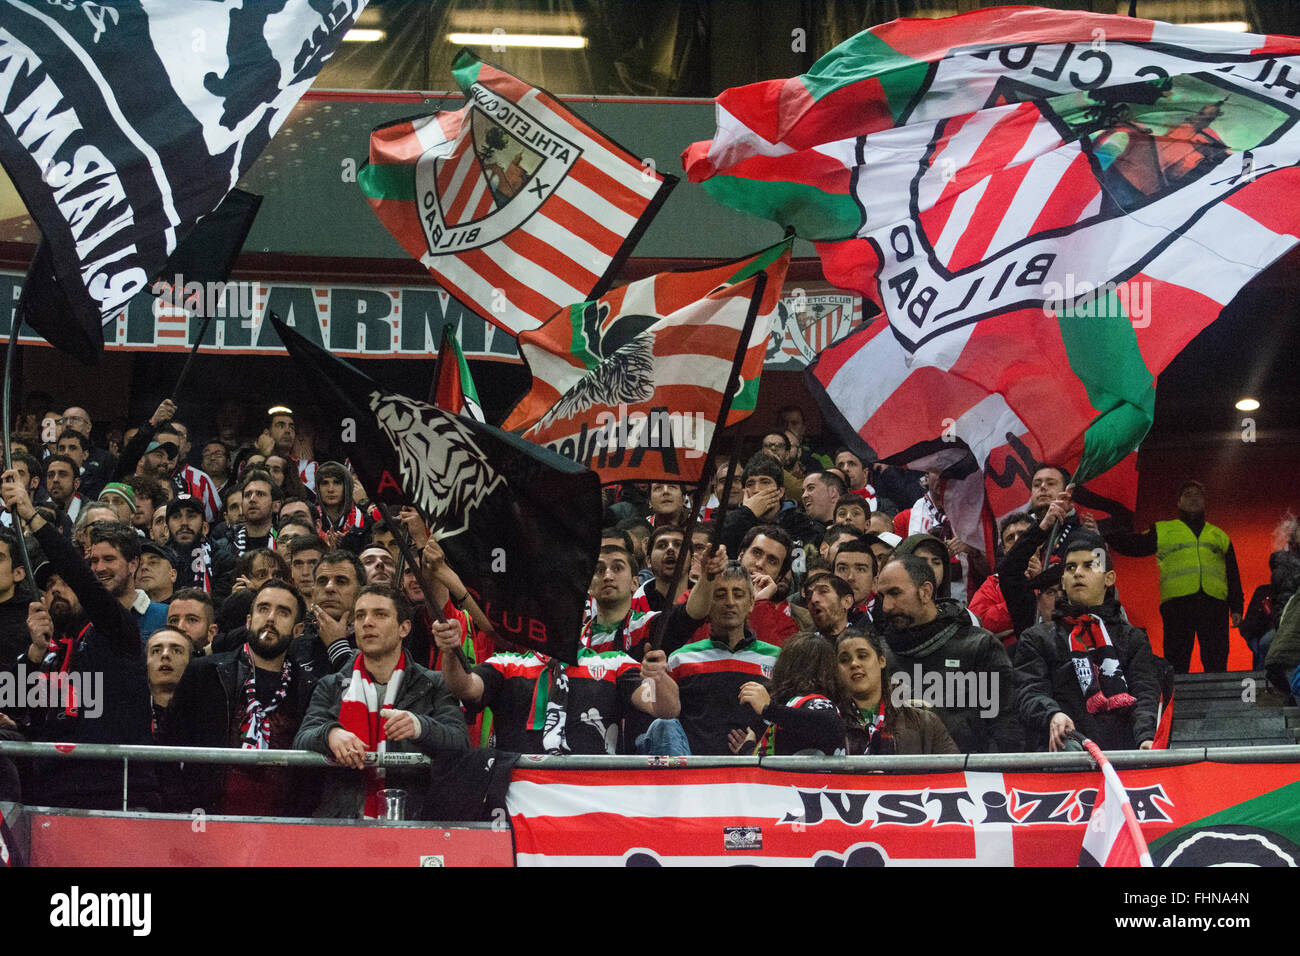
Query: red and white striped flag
x=516 y=205
x=1113 y=837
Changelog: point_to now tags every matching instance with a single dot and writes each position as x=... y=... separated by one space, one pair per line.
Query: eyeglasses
x=70 y=418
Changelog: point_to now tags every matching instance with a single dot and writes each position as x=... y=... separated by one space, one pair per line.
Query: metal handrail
x=932 y=763
x=147 y=753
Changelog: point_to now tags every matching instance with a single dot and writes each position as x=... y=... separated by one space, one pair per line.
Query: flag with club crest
x=519 y=524
x=1046 y=205
x=513 y=202
x=453 y=386
x=122 y=125
x=634 y=383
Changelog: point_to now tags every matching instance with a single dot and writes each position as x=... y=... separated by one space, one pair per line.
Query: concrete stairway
x=1235 y=709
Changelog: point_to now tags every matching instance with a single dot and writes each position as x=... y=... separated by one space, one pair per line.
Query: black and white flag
x=519 y=524
x=124 y=124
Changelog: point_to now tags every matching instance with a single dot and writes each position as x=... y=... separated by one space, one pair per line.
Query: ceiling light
x=1247 y=405
x=363 y=35
x=1228 y=26
x=549 y=41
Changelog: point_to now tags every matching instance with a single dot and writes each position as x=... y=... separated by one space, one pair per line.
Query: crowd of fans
x=247 y=596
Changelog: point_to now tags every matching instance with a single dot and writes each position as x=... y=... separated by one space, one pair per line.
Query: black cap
x=185 y=501
x=153 y=547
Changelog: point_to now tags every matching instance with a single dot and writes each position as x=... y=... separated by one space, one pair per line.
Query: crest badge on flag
x=515 y=204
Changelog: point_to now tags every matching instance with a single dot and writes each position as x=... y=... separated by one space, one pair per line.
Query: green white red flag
x=513 y=202
x=453 y=386
x=1046 y=205
x=633 y=384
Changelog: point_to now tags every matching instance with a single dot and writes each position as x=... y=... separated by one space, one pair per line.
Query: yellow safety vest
x=1189 y=564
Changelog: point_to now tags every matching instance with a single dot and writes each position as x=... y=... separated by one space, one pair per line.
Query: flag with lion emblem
x=516 y=205
x=633 y=384
x=519 y=524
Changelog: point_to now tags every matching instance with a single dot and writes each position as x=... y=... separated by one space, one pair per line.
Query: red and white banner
x=748 y=815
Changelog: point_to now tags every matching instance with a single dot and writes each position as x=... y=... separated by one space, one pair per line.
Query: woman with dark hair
x=341 y=522
x=804 y=711
x=285 y=474
x=876 y=725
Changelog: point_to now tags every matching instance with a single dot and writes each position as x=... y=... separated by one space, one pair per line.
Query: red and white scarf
x=359 y=715
x=1097 y=666
x=255 y=731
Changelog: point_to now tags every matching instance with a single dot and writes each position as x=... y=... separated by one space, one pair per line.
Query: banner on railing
x=1192 y=815
x=381 y=321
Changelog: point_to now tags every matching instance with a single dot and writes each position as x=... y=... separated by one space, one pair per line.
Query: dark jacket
x=202 y=712
x=912 y=730
x=221 y=567
x=1046 y=682
x=442 y=728
x=109 y=648
x=950 y=645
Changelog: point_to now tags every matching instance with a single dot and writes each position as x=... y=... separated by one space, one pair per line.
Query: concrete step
x=1212 y=728
x=1206 y=708
x=1181 y=679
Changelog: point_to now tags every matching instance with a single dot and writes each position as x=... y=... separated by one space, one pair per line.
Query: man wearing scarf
x=384 y=703
x=205 y=563
x=1087 y=669
x=934 y=644
x=254 y=698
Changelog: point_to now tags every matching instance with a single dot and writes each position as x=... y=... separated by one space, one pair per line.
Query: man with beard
x=191 y=612
x=829 y=599
x=944 y=660
x=114 y=558
x=203 y=562
x=63 y=484
x=82 y=628
x=253 y=698
x=617 y=624
x=28 y=470
x=665 y=555
x=167 y=653
x=385 y=703
x=189 y=480
x=822 y=491
x=1087 y=669
x=379 y=565
x=15 y=595
x=256 y=531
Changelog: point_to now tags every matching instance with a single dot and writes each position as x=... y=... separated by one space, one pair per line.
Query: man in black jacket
x=84 y=634
x=384 y=702
x=204 y=562
x=1088 y=669
x=938 y=657
x=253 y=698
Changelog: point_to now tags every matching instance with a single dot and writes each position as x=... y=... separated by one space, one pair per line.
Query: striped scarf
x=359 y=714
x=549 y=712
x=1097 y=666
x=879 y=739
x=255 y=731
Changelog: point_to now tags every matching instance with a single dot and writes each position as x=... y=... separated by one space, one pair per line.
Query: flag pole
x=437 y=365
x=10 y=353
x=408 y=555
x=733 y=380
x=185 y=369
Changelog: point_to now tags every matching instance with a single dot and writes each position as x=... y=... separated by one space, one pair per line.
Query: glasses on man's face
x=69 y=418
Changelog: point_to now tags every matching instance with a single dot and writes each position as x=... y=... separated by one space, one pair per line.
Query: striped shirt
x=201 y=486
x=527 y=699
x=709 y=675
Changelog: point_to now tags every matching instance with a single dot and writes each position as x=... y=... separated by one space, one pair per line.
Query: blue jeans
x=664 y=738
